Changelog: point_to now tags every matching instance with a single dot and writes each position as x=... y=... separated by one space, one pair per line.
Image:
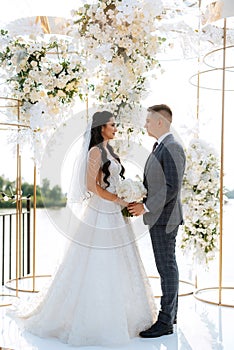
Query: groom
x=162 y=211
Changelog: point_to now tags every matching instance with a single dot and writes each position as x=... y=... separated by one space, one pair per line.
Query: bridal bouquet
x=130 y=191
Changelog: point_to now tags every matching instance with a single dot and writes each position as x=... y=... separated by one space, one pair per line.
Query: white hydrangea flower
x=200 y=197
x=130 y=190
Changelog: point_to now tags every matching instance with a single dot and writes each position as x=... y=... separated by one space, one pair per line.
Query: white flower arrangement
x=130 y=191
x=40 y=73
x=116 y=44
x=200 y=197
x=118 y=39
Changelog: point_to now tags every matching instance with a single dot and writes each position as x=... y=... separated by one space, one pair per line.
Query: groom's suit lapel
x=155 y=153
x=151 y=158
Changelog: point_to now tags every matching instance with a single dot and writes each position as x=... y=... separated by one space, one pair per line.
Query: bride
x=100 y=294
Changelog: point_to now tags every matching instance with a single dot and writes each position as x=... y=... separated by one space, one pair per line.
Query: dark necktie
x=154 y=146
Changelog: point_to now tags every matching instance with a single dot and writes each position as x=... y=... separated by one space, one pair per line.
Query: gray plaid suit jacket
x=163 y=175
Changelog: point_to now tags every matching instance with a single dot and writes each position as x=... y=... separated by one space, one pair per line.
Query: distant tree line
x=45 y=195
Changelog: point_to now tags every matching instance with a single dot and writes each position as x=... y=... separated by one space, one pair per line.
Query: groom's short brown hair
x=159 y=108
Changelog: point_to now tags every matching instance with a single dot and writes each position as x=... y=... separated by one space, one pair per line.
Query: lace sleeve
x=93 y=167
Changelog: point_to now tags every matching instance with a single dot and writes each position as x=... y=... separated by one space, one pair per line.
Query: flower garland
x=200 y=197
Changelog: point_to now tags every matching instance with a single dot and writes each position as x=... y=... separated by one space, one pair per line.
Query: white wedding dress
x=100 y=294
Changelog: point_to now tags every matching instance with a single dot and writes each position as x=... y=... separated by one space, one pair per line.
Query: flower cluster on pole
x=200 y=196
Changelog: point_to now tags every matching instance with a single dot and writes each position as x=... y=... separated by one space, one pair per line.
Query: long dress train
x=100 y=294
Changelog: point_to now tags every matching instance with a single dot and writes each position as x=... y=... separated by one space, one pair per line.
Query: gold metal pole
x=17 y=223
x=17 y=209
x=222 y=167
x=34 y=224
x=198 y=105
x=20 y=217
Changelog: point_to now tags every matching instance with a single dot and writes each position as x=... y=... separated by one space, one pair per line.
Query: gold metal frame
x=224 y=68
x=18 y=268
x=33 y=277
x=16 y=104
x=205 y=72
x=7 y=304
x=220 y=303
x=213 y=52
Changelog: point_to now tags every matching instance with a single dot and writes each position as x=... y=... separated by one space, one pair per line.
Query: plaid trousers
x=164 y=244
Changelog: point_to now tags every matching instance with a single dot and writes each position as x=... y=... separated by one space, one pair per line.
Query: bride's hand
x=121 y=202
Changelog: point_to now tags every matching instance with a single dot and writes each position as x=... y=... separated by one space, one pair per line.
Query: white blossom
x=200 y=197
x=130 y=190
x=119 y=41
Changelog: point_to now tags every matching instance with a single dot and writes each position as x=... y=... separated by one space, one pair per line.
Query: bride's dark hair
x=101 y=119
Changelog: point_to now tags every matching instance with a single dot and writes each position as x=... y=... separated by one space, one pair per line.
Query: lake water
x=50 y=246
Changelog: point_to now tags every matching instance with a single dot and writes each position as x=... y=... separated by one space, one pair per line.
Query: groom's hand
x=136 y=209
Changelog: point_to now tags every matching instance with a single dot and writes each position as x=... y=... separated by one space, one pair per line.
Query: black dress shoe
x=157 y=330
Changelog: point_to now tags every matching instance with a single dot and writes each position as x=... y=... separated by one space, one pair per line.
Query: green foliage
x=46 y=196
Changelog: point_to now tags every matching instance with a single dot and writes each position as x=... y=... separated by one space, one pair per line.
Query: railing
x=8 y=244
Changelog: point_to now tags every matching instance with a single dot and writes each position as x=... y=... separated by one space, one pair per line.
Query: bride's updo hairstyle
x=100 y=119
